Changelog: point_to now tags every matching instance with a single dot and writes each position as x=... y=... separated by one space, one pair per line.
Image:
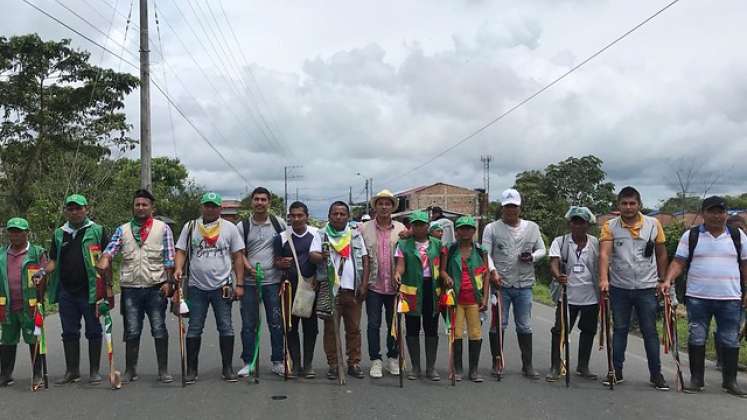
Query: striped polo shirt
x=714 y=272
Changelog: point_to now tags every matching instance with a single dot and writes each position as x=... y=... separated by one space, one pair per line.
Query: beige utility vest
x=142 y=266
x=629 y=268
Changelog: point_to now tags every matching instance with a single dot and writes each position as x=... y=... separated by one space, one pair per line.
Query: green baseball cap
x=435 y=226
x=76 y=199
x=468 y=221
x=212 y=198
x=419 y=216
x=17 y=223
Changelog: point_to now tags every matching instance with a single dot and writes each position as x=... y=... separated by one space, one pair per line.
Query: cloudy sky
x=379 y=87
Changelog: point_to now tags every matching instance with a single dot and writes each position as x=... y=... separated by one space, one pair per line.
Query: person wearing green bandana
x=76 y=286
x=416 y=276
x=147 y=248
x=20 y=268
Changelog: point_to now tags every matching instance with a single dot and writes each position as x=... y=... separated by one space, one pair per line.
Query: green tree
x=680 y=203
x=60 y=116
x=547 y=194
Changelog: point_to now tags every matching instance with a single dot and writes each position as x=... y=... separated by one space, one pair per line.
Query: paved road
x=514 y=397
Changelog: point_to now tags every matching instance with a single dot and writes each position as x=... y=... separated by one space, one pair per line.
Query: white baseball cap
x=365 y=218
x=510 y=196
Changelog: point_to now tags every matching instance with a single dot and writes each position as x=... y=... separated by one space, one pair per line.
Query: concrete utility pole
x=145 y=142
x=368 y=199
x=286 y=177
x=486 y=159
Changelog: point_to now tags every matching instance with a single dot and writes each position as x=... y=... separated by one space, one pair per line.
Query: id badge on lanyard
x=578 y=268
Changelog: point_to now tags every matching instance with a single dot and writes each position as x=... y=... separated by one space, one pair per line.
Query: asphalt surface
x=514 y=397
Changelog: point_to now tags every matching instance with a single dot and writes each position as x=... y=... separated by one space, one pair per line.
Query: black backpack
x=695 y=234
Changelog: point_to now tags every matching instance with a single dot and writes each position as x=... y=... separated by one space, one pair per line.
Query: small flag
x=38 y=323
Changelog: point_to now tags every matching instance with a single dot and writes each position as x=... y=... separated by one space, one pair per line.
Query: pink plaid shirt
x=385 y=253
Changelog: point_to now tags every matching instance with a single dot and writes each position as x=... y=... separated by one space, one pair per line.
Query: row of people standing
x=372 y=264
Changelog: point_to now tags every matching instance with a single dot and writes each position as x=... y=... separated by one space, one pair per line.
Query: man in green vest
x=20 y=264
x=76 y=286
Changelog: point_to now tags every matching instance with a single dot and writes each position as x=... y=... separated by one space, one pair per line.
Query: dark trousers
x=428 y=318
x=138 y=302
x=587 y=323
x=374 y=302
x=72 y=308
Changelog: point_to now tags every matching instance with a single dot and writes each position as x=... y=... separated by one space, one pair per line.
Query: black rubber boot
x=193 y=354
x=94 y=361
x=729 y=364
x=309 y=343
x=36 y=377
x=717 y=346
x=132 y=353
x=554 y=374
x=7 y=364
x=226 y=353
x=72 y=362
x=294 y=349
x=413 y=347
x=431 y=350
x=494 y=354
x=474 y=359
x=696 y=354
x=585 y=343
x=458 y=371
x=162 y=357
x=525 y=345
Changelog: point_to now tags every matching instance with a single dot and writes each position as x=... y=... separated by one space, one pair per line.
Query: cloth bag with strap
x=303 y=301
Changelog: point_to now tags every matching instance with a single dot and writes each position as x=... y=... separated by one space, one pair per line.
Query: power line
x=168 y=98
x=535 y=94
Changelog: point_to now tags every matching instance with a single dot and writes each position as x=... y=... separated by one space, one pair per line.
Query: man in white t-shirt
x=716 y=266
x=574 y=259
x=209 y=253
x=344 y=256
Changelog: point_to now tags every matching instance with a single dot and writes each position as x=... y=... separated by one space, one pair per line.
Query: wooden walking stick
x=564 y=327
x=285 y=307
x=498 y=318
x=179 y=306
x=114 y=375
x=671 y=340
x=605 y=338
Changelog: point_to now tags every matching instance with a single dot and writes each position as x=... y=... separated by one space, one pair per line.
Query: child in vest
x=464 y=269
x=416 y=277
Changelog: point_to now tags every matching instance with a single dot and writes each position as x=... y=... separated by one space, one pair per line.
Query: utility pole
x=368 y=200
x=486 y=159
x=350 y=196
x=286 y=177
x=145 y=143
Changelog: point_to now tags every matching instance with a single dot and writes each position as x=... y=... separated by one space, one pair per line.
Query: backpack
x=247 y=225
x=695 y=234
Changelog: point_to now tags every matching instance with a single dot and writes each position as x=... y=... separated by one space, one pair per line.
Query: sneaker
x=375 y=371
x=618 y=378
x=244 y=372
x=659 y=383
x=332 y=373
x=392 y=366
x=356 y=372
x=278 y=369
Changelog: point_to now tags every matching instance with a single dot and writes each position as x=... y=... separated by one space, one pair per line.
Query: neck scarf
x=340 y=241
x=141 y=231
x=210 y=234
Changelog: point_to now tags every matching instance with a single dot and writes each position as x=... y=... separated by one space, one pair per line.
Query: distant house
x=458 y=200
x=230 y=210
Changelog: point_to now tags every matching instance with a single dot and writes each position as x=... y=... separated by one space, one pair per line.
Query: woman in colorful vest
x=464 y=269
x=20 y=267
x=76 y=286
x=416 y=277
x=147 y=248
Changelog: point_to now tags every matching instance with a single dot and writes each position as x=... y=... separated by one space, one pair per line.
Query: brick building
x=448 y=197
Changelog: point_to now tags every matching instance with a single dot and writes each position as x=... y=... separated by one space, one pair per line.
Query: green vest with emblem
x=91 y=253
x=31 y=264
x=413 y=276
x=475 y=267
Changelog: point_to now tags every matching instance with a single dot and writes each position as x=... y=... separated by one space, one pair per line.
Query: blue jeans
x=250 y=320
x=728 y=314
x=136 y=303
x=72 y=308
x=374 y=302
x=521 y=299
x=198 y=301
x=622 y=302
